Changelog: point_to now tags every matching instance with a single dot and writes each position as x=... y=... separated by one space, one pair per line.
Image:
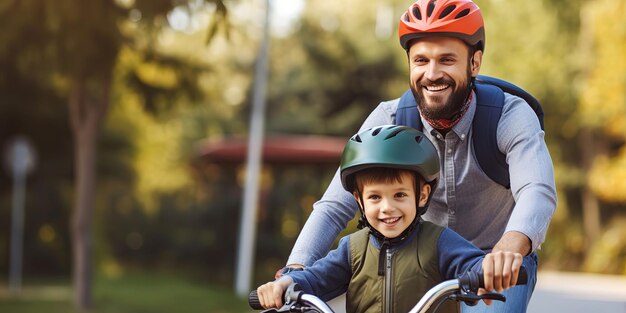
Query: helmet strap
x=362 y=220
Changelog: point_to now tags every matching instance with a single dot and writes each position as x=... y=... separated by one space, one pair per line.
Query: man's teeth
x=391 y=220
x=436 y=87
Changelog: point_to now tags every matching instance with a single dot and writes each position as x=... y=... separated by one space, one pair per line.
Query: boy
x=388 y=266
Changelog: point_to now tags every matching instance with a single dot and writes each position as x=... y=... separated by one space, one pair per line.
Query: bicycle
x=464 y=288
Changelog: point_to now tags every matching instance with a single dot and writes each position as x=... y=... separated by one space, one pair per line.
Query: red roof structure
x=279 y=149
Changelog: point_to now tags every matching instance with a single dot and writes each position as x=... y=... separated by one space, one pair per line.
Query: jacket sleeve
x=457 y=255
x=329 y=276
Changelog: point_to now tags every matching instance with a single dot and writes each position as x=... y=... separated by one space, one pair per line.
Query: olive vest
x=414 y=270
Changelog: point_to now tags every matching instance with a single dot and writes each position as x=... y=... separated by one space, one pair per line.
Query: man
x=445 y=42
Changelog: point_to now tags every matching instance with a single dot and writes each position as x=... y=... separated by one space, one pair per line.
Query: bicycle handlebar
x=472 y=281
x=292 y=295
x=469 y=282
x=253 y=301
x=462 y=289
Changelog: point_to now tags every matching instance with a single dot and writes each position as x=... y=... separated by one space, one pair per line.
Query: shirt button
x=452 y=212
x=462 y=136
x=438 y=136
x=449 y=151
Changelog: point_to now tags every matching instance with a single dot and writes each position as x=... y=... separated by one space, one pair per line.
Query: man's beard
x=452 y=107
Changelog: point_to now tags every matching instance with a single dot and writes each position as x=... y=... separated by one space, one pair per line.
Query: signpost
x=247 y=225
x=20 y=160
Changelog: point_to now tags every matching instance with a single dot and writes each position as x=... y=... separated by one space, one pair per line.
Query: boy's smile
x=391 y=207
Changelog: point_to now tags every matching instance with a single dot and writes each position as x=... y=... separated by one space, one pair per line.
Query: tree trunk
x=591 y=146
x=88 y=106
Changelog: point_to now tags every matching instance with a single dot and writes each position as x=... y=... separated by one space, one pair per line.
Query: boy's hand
x=500 y=270
x=271 y=294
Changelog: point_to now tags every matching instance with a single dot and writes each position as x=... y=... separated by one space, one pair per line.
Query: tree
x=74 y=50
x=338 y=69
x=601 y=116
x=603 y=101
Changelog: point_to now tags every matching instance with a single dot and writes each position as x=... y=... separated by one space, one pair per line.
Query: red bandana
x=447 y=124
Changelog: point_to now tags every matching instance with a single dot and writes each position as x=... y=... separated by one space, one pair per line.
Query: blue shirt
x=466 y=199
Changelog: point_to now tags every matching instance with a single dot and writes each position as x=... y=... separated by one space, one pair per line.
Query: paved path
x=578 y=292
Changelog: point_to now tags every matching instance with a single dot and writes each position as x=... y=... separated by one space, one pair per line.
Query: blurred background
x=124 y=125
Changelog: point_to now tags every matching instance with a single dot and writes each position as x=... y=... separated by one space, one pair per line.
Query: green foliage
x=337 y=70
x=603 y=102
x=608 y=255
x=137 y=293
x=45 y=48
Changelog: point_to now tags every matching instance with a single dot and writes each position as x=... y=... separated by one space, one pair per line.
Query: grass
x=135 y=293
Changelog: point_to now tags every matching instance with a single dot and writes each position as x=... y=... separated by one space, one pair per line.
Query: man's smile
x=436 y=88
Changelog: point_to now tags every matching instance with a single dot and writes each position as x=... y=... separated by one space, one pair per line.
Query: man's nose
x=433 y=71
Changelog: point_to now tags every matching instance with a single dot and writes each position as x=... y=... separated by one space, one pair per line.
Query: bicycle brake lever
x=469 y=298
x=472 y=299
x=493 y=296
x=286 y=308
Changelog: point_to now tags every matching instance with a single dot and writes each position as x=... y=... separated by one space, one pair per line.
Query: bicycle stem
x=437 y=293
x=316 y=302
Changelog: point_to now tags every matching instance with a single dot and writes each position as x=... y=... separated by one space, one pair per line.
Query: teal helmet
x=391 y=146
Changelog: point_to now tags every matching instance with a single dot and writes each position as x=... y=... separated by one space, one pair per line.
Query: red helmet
x=452 y=18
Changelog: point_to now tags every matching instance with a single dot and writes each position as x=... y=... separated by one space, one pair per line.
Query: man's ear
x=424 y=194
x=477 y=61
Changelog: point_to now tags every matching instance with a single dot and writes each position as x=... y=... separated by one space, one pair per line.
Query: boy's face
x=390 y=207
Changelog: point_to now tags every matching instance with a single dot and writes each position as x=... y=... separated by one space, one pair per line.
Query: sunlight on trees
x=603 y=100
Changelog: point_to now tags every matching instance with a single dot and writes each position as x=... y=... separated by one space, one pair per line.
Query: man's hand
x=513 y=241
x=271 y=294
x=500 y=270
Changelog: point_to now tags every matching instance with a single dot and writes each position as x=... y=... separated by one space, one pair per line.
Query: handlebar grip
x=253 y=301
x=522 y=278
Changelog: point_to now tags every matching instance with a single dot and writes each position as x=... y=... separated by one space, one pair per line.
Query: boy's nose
x=385 y=206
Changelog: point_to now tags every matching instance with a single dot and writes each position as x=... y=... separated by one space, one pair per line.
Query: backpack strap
x=514 y=90
x=407 y=113
x=489 y=100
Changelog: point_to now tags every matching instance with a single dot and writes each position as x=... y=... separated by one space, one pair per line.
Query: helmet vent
x=417 y=13
x=406 y=18
x=396 y=132
x=431 y=7
x=447 y=11
x=418 y=139
x=462 y=13
x=376 y=131
x=357 y=138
